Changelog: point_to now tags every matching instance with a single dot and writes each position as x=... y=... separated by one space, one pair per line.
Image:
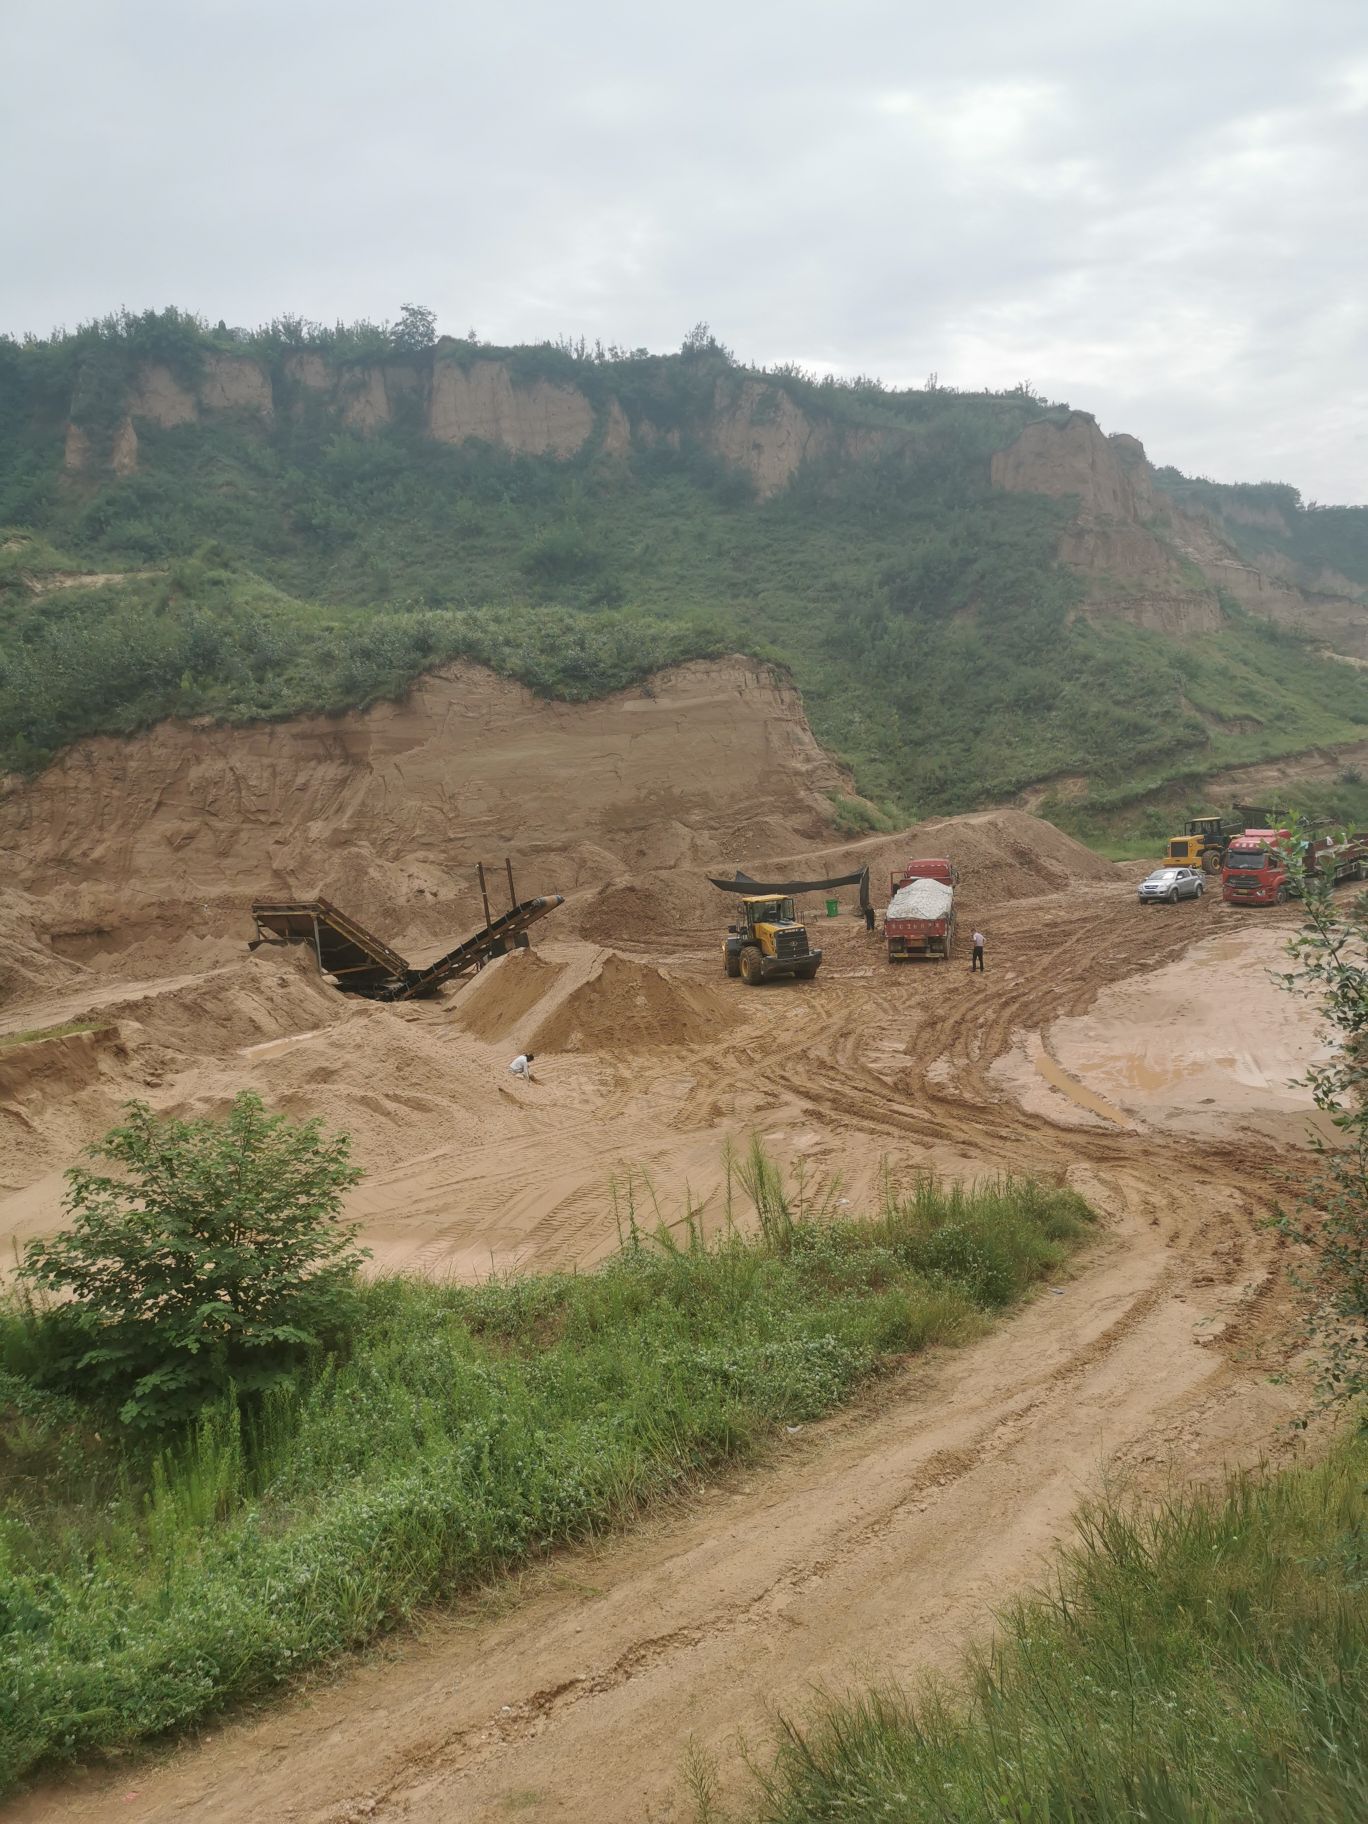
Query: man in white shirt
x=976 y=960
x=522 y=1065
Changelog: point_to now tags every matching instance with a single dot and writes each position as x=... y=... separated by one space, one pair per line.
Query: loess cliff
x=1144 y=557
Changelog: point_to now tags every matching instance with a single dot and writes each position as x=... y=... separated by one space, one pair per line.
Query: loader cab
x=777 y=910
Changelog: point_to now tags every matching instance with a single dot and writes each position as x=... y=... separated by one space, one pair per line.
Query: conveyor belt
x=363 y=964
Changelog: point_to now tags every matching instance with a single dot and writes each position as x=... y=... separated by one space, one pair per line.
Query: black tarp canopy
x=745 y=888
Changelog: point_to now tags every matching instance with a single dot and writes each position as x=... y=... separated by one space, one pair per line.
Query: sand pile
x=56 y=1096
x=654 y=907
x=1008 y=854
x=631 y=1006
x=266 y=995
x=1001 y=855
x=400 y=1087
x=53 y=1069
x=503 y=994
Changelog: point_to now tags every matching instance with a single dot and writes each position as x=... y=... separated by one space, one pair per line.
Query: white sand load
x=921 y=899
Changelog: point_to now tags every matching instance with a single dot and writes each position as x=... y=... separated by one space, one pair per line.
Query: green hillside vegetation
x=1269 y=518
x=306 y=567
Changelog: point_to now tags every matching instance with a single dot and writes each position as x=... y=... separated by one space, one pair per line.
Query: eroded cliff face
x=1142 y=558
x=482 y=403
x=754 y=425
x=457 y=403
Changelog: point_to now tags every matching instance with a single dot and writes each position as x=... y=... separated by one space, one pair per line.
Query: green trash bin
x=833 y=907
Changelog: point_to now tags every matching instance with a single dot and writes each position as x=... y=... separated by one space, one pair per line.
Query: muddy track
x=875 y=1544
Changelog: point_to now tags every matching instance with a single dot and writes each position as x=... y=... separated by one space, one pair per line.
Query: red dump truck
x=920 y=920
x=1255 y=871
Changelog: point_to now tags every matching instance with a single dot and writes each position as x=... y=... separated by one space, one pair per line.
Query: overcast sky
x=1155 y=212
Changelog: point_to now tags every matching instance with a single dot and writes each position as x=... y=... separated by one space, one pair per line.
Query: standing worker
x=976 y=960
x=522 y=1065
x=869 y=917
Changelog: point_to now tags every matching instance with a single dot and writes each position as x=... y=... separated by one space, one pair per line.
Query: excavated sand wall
x=160 y=843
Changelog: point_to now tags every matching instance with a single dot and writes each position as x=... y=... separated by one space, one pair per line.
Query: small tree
x=1331 y=956
x=700 y=342
x=415 y=330
x=215 y=1258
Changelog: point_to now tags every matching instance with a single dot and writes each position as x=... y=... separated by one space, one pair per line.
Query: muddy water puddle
x=1078 y=1092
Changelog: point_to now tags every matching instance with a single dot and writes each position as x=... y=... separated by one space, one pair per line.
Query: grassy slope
x=1208 y=1662
x=469 y=1428
x=922 y=616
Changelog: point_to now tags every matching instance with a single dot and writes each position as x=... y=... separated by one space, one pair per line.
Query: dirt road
x=876 y=1544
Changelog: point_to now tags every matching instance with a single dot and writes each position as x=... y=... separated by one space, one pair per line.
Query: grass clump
x=461 y=1431
x=1205 y=1662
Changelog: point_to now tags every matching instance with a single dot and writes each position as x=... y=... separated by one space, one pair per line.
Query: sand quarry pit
x=1107 y=1047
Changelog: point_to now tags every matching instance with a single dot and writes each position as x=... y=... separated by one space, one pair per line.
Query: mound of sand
x=503 y=994
x=265 y=996
x=653 y=907
x=630 y=1006
x=921 y=899
x=1007 y=854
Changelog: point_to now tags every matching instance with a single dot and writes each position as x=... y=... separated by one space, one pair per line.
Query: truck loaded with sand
x=920 y=920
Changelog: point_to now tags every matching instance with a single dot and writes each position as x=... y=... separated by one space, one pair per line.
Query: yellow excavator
x=769 y=940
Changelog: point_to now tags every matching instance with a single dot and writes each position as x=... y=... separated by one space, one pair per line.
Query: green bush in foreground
x=1206 y=1663
x=466 y=1429
x=211 y=1261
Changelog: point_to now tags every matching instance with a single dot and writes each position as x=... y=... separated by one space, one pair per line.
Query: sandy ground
x=1138 y=1054
x=1209 y=1042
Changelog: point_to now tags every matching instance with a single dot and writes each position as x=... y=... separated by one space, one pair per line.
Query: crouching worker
x=522 y=1065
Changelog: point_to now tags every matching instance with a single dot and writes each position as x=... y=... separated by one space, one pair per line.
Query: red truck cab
x=1256 y=873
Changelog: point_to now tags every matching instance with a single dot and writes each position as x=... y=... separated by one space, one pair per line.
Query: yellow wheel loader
x=769 y=939
x=1203 y=844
